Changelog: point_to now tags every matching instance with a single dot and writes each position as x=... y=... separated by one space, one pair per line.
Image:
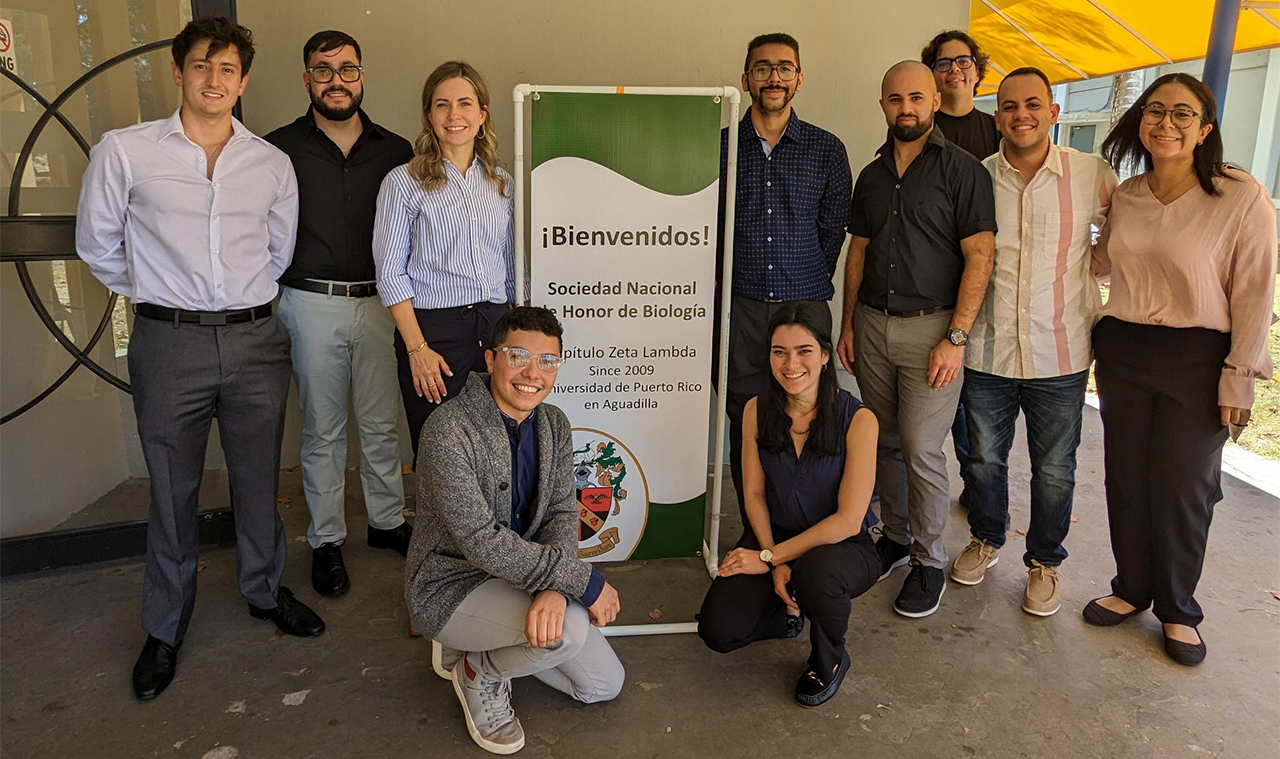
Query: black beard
x=911 y=133
x=761 y=103
x=337 y=114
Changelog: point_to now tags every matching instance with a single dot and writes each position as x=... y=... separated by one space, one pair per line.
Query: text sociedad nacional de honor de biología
x=668 y=236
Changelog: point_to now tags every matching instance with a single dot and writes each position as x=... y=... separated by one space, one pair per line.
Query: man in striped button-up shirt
x=1029 y=348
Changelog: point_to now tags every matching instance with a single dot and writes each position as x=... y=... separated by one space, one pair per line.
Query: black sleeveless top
x=800 y=492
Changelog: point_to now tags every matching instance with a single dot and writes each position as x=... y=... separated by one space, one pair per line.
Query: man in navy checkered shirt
x=793 y=192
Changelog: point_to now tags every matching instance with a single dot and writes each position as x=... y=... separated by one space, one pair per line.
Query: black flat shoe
x=290 y=615
x=812 y=691
x=1186 y=654
x=155 y=668
x=328 y=573
x=795 y=625
x=1100 y=616
x=397 y=538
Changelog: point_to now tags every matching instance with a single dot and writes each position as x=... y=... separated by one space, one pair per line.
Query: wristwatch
x=958 y=337
x=767 y=557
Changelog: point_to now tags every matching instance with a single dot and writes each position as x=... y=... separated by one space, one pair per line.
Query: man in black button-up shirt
x=923 y=223
x=342 y=336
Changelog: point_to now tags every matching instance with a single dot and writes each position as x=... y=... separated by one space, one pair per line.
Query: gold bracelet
x=420 y=347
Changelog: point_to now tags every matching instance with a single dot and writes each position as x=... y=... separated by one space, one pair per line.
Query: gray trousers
x=490 y=622
x=342 y=349
x=891 y=356
x=184 y=375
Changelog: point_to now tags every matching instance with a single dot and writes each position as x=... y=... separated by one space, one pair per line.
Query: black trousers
x=748 y=371
x=183 y=376
x=744 y=608
x=461 y=335
x=1162 y=438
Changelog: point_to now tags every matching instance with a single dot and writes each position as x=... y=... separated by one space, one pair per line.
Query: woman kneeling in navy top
x=808 y=467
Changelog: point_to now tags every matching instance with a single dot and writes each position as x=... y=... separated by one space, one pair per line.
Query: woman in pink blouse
x=1190 y=246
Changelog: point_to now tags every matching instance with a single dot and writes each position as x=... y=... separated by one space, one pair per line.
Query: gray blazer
x=462 y=537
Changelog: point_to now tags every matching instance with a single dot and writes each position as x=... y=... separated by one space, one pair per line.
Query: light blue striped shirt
x=451 y=247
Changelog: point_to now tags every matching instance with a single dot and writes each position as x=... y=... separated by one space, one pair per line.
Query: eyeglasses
x=943 y=65
x=762 y=71
x=520 y=358
x=1182 y=117
x=324 y=74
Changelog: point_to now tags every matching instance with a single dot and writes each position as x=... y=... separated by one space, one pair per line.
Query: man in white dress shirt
x=193 y=218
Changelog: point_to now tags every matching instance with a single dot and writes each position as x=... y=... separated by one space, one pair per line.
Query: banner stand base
x=659 y=628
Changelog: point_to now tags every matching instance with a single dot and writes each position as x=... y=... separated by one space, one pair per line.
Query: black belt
x=203 y=318
x=909 y=314
x=360 y=290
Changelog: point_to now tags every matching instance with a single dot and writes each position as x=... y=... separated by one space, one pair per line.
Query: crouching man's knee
x=606 y=685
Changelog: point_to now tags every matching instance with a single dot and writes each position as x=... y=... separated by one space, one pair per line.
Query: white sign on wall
x=7 y=59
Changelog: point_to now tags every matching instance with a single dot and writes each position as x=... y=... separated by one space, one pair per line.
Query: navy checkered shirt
x=791 y=212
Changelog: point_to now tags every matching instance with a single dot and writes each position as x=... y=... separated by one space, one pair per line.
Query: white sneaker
x=443 y=660
x=486 y=704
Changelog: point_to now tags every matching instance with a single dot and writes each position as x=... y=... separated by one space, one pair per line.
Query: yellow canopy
x=1079 y=39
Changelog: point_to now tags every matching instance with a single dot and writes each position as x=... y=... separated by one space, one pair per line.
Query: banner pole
x=653 y=628
x=712 y=546
x=517 y=97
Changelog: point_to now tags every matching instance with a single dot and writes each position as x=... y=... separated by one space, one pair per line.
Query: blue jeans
x=960 y=442
x=1053 y=409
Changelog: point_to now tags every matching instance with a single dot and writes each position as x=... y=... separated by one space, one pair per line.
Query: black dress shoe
x=1186 y=654
x=290 y=615
x=812 y=690
x=795 y=625
x=155 y=668
x=328 y=573
x=397 y=538
x=1100 y=616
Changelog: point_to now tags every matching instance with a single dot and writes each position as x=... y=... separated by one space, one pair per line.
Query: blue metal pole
x=1222 y=39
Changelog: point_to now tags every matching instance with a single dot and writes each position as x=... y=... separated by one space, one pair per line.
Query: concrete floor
x=978 y=678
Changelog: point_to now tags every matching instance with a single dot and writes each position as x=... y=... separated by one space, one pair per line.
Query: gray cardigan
x=462 y=536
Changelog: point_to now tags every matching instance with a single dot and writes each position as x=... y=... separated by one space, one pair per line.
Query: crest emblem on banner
x=613 y=497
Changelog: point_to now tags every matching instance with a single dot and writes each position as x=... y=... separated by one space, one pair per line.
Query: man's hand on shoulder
x=606 y=607
x=545 y=620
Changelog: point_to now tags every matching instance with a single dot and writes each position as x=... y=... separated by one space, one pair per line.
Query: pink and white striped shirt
x=1042 y=300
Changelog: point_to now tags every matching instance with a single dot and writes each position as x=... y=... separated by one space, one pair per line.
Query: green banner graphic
x=659 y=141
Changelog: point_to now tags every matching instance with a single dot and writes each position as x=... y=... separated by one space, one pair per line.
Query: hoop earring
x=480 y=134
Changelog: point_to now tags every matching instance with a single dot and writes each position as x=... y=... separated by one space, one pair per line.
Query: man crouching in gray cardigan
x=493 y=574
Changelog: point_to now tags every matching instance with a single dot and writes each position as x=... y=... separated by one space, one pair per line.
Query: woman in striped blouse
x=443 y=243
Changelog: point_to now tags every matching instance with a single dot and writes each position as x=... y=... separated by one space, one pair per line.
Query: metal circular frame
x=52 y=111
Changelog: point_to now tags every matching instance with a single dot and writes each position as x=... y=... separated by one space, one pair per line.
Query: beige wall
x=845 y=47
x=85 y=439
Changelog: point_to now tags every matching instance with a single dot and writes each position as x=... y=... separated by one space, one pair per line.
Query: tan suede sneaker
x=1041 y=597
x=971 y=565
